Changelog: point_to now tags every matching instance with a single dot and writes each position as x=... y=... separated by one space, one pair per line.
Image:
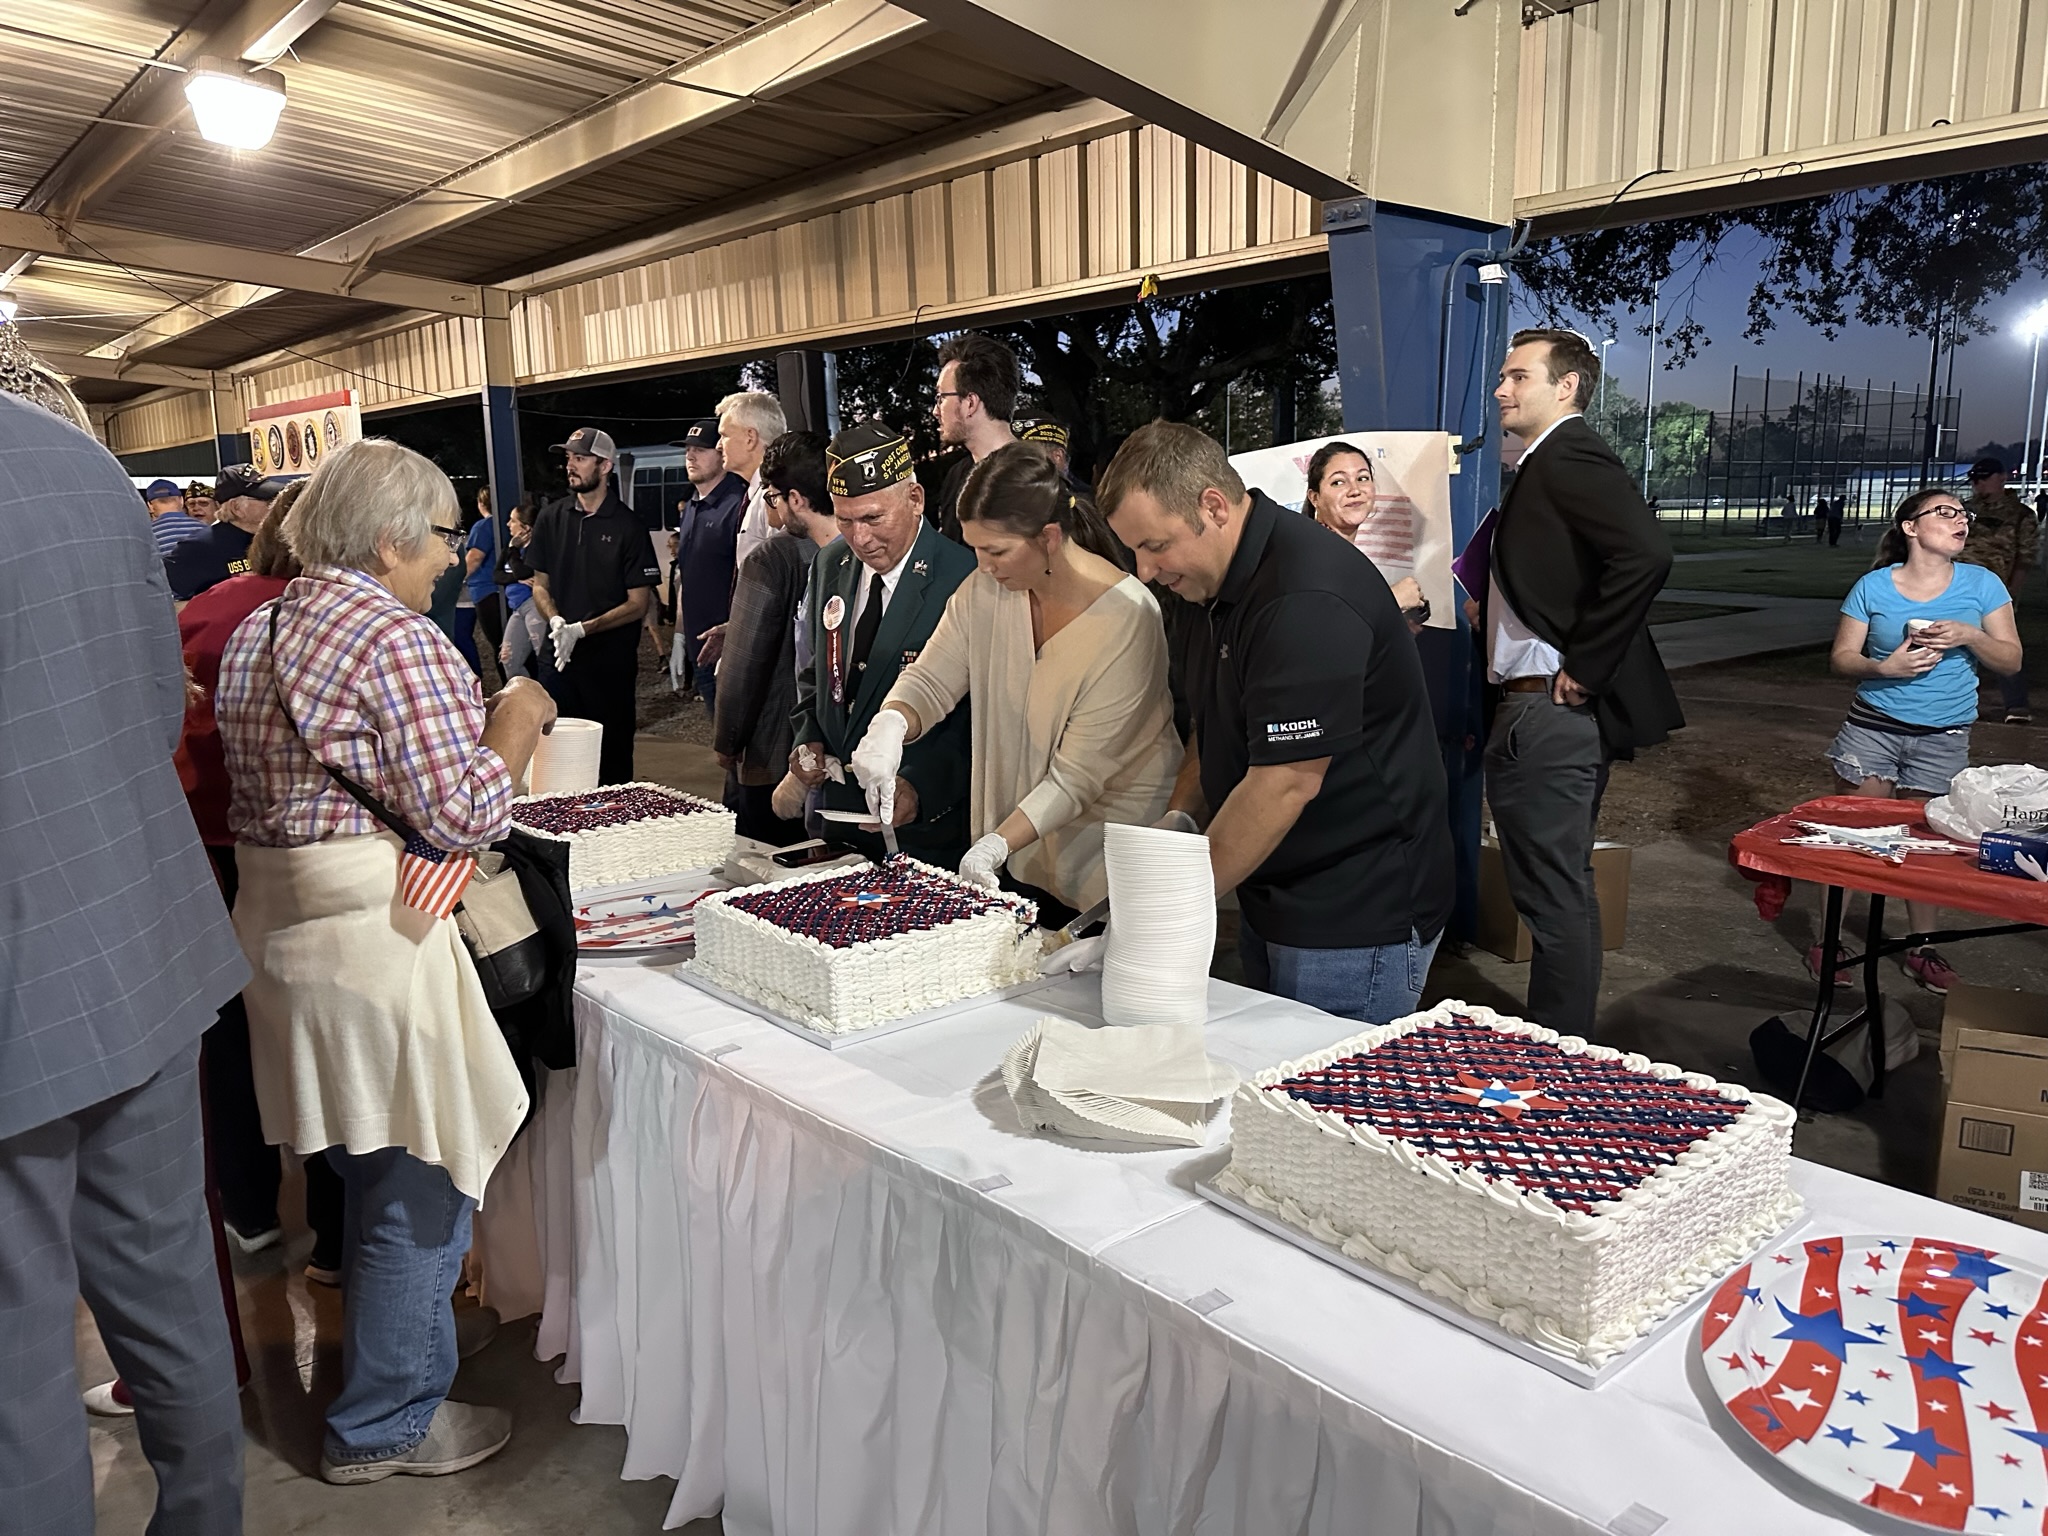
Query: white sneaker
x=101 y=1400
x=257 y=1242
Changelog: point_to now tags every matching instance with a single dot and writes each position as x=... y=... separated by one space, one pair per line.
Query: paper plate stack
x=1143 y=1077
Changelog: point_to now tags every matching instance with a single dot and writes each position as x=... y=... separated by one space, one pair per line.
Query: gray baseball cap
x=598 y=444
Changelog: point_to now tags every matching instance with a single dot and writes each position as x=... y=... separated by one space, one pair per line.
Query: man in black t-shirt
x=978 y=382
x=1312 y=741
x=594 y=574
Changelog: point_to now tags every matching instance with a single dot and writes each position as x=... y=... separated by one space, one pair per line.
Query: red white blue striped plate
x=1906 y=1374
x=658 y=919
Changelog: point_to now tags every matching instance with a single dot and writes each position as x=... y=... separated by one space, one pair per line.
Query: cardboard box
x=1994 y=1135
x=1502 y=930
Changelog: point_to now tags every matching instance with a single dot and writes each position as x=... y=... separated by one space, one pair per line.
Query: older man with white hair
x=367 y=770
x=874 y=598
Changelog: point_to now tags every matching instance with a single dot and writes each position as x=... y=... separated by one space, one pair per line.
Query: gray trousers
x=109 y=1203
x=1545 y=770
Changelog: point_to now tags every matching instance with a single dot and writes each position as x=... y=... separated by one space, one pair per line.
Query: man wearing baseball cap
x=2005 y=539
x=594 y=576
x=873 y=600
x=168 y=523
x=199 y=502
x=704 y=547
x=222 y=550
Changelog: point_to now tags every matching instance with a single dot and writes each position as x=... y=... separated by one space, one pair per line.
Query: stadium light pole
x=2031 y=329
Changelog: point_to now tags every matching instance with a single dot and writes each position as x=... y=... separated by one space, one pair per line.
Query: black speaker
x=807 y=384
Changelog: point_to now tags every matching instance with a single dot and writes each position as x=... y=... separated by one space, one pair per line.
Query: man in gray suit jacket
x=114 y=953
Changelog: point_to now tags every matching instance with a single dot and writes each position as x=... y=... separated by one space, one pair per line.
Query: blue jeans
x=408 y=1229
x=1375 y=985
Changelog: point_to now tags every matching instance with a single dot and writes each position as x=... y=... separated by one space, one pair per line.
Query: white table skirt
x=841 y=1294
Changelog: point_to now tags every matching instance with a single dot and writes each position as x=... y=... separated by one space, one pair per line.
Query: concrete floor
x=1698 y=972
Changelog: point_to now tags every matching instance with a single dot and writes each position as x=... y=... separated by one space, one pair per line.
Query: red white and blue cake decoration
x=859 y=905
x=1907 y=1374
x=1506 y=1106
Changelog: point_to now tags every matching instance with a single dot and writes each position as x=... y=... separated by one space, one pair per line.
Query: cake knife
x=1060 y=938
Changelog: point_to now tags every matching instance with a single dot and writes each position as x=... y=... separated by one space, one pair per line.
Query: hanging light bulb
x=237 y=110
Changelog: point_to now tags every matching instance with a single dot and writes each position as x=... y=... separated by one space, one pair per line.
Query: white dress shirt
x=754 y=529
x=889 y=579
x=1512 y=650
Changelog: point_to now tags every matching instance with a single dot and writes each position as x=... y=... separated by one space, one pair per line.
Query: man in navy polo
x=704 y=548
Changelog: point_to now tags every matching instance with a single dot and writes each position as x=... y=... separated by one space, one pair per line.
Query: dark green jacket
x=937 y=763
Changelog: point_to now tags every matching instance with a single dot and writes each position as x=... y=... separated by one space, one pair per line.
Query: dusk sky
x=1991 y=371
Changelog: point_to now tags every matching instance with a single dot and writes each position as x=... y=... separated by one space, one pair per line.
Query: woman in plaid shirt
x=369 y=1033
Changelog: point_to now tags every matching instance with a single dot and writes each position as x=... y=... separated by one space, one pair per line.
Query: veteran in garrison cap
x=874 y=598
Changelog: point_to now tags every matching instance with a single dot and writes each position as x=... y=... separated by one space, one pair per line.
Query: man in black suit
x=1577 y=560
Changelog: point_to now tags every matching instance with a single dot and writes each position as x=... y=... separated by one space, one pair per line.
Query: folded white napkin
x=1144 y=1085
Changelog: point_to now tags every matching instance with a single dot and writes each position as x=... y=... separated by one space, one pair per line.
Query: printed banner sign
x=293 y=436
x=1407 y=532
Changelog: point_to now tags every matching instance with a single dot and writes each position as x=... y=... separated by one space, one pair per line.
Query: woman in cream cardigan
x=1065 y=659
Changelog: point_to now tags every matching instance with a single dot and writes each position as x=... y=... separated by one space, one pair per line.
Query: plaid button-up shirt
x=374 y=689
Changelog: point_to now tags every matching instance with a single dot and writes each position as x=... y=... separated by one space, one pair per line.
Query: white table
x=841 y=1294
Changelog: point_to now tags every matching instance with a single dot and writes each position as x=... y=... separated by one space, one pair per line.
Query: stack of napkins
x=1146 y=1084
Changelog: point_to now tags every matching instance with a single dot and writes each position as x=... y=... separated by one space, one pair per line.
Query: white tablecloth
x=840 y=1294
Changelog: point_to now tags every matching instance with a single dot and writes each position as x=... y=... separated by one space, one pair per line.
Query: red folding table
x=1944 y=879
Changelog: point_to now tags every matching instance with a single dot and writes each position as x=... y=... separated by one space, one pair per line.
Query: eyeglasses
x=452 y=537
x=951 y=394
x=771 y=497
x=1946 y=514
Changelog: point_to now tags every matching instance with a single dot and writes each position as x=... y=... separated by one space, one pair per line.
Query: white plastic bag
x=1981 y=800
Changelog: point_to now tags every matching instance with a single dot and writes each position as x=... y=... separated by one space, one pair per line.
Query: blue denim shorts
x=1923 y=764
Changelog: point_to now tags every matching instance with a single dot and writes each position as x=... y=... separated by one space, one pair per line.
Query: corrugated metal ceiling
x=924 y=89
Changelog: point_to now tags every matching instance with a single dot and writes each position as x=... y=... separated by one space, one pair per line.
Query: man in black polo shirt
x=1312 y=738
x=594 y=574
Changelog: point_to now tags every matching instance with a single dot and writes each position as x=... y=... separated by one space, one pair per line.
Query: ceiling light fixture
x=237 y=110
x=8 y=310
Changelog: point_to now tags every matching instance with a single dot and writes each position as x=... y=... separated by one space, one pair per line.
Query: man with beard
x=978 y=383
x=594 y=574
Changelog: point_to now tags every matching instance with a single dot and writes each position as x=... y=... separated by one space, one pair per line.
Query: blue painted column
x=230 y=426
x=1403 y=368
x=501 y=412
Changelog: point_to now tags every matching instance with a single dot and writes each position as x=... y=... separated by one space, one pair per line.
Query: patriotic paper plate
x=640 y=921
x=1907 y=1374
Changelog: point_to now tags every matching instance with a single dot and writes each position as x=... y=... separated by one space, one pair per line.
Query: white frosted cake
x=847 y=949
x=628 y=832
x=1569 y=1193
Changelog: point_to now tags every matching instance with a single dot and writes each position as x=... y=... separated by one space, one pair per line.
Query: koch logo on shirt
x=1294 y=730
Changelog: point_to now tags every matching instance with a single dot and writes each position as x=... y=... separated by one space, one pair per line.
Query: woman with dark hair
x=1065 y=658
x=1342 y=496
x=1915 y=631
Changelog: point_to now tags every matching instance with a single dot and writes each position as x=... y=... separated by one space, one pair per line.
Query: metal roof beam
x=767 y=208
x=772 y=60
x=114 y=369
x=116 y=246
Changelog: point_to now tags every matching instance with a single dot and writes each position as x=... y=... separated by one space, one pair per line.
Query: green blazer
x=938 y=762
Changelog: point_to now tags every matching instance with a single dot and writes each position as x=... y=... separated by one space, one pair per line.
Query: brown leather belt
x=1526 y=685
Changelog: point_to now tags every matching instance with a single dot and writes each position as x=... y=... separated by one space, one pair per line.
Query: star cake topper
x=870 y=898
x=1509 y=1100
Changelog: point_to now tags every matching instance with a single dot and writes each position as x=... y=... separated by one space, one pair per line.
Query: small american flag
x=432 y=879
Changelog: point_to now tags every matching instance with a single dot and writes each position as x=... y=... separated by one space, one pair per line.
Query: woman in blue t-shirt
x=1915 y=630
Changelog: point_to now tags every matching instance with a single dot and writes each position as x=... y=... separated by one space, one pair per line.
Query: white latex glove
x=2025 y=862
x=565 y=637
x=1081 y=955
x=984 y=859
x=878 y=759
x=1176 y=821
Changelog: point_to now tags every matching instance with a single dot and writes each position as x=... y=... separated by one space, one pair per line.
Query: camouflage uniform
x=2005 y=539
